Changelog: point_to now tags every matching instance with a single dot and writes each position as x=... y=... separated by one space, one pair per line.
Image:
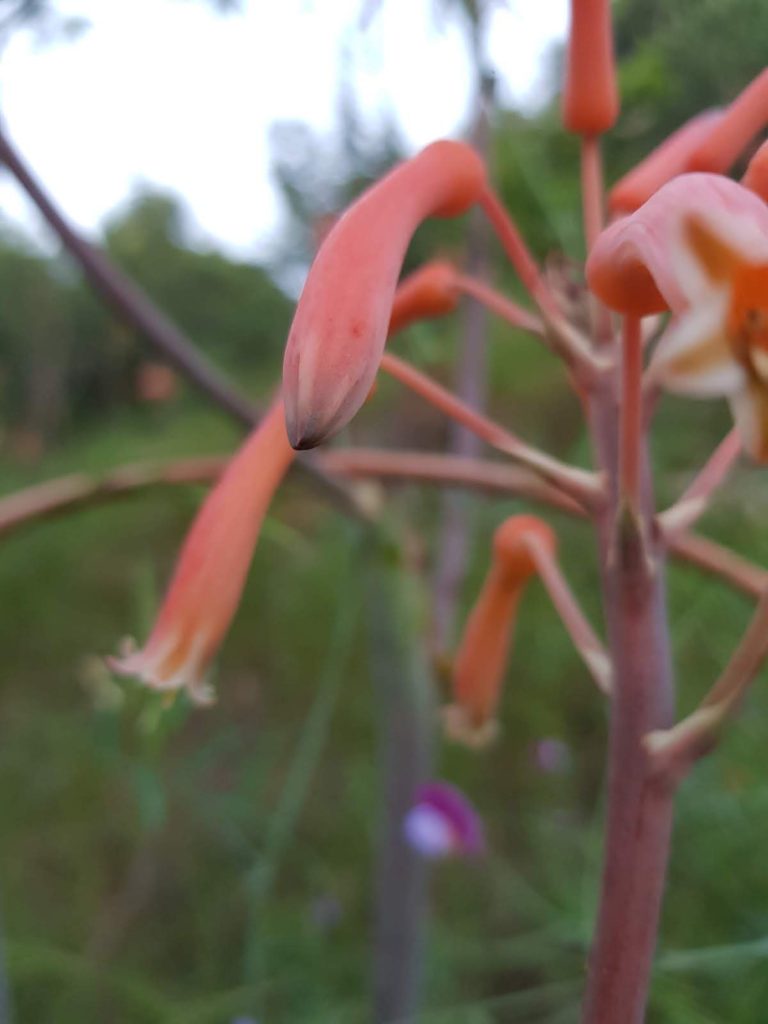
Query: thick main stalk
x=639 y=815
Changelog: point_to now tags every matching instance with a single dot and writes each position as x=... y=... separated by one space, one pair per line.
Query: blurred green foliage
x=135 y=836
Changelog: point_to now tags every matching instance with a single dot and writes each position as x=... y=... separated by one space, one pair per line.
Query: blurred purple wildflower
x=443 y=823
x=552 y=756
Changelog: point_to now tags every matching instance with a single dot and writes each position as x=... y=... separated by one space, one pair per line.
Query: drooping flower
x=590 y=92
x=484 y=650
x=744 y=118
x=211 y=570
x=672 y=157
x=430 y=291
x=342 y=318
x=712 y=142
x=443 y=823
x=700 y=248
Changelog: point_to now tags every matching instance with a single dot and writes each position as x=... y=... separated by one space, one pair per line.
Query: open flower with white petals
x=700 y=245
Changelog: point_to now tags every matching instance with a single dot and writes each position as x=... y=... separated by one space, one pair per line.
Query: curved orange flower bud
x=341 y=321
x=482 y=656
x=590 y=94
x=756 y=176
x=670 y=158
x=211 y=570
x=743 y=119
x=430 y=291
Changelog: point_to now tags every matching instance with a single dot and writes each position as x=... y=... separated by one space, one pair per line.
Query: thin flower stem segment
x=697 y=496
x=583 y=486
x=585 y=640
x=673 y=751
x=720 y=561
x=566 y=340
x=592 y=190
x=631 y=411
x=439 y=468
x=500 y=305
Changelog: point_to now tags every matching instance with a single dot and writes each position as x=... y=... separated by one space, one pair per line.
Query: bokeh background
x=165 y=865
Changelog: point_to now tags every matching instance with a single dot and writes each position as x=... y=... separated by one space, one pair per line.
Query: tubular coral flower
x=635 y=266
x=710 y=265
x=443 y=823
x=430 y=291
x=211 y=570
x=590 y=94
x=744 y=118
x=341 y=321
x=484 y=649
x=669 y=159
x=756 y=175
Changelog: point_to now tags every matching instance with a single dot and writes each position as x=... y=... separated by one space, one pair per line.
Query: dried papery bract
x=743 y=119
x=672 y=157
x=756 y=175
x=590 y=93
x=211 y=570
x=482 y=656
x=430 y=291
x=341 y=322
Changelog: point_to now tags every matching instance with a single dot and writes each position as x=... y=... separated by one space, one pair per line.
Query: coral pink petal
x=590 y=91
x=340 y=327
x=207 y=583
x=744 y=119
x=670 y=158
x=634 y=266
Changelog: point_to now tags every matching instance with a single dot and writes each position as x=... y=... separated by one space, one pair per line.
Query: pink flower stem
x=640 y=808
x=585 y=640
x=567 y=342
x=593 y=205
x=592 y=190
x=631 y=412
x=439 y=468
x=673 y=752
x=696 y=497
x=720 y=561
x=500 y=305
x=585 y=487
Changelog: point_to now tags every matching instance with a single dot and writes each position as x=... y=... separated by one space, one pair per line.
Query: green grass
x=131 y=832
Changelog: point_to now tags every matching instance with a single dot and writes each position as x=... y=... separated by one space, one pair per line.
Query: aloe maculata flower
x=672 y=157
x=211 y=570
x=430 y=291
x=342 y=318
x=590 y=91
x=484 y=650
x=700 y=248
x=443 y=823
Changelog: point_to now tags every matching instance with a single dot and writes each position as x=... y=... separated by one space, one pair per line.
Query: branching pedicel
x=685 y=240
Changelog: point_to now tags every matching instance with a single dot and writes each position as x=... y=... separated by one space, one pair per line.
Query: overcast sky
x=171 y=93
